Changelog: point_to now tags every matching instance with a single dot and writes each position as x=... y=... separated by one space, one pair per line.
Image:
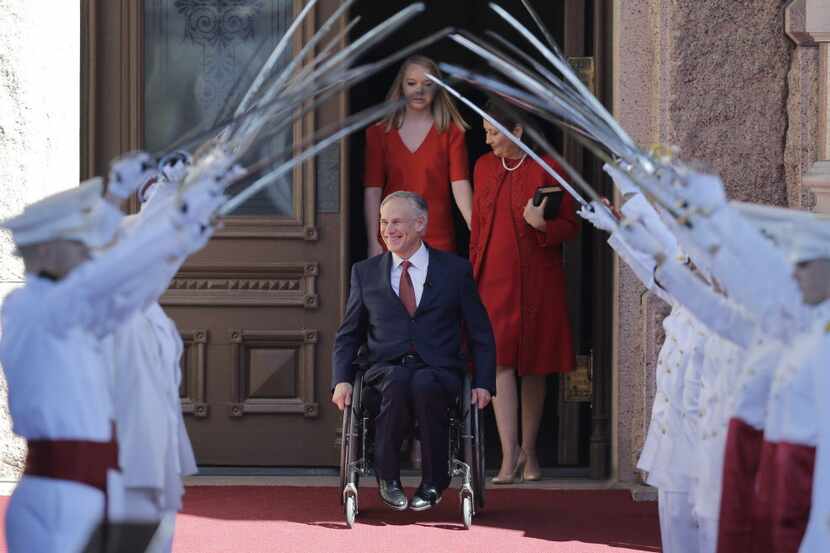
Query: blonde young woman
x=420 y=148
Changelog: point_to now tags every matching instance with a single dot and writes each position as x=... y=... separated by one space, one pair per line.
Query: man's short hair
x=417 y=202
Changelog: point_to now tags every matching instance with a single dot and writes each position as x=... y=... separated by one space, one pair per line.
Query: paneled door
x=258 y=308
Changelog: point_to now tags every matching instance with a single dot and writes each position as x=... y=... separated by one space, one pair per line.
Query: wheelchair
x=466 y=458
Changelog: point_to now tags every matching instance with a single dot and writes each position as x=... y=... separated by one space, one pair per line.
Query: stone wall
x=802 y=112
x=711 y=77
x=39 y=136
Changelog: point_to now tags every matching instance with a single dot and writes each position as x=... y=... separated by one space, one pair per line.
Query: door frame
x=112 y=64
x=602 y=265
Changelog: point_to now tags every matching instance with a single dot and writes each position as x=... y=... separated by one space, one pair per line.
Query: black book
x=554 y=196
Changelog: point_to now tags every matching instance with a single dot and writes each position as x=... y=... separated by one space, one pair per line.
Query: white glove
x=636 y=235
x=174 y=166
x=128 y=173
x=198 y=204
x=622 y=180
x=598 y=215
x=199 y=237
x=215 y=173
x=640 y=209
x=702 y=192
x=195 y=217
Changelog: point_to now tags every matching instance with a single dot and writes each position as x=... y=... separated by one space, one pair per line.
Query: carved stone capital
x=818 y=180
x=807 y=22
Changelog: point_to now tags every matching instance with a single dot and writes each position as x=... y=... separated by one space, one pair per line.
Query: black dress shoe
x=425 y=498
x=391 y=492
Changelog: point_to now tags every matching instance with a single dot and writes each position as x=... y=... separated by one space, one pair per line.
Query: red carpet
x=257 y=519
x=304 y=520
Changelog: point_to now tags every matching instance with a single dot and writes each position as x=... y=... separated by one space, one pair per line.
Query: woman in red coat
x=420 y=148
x=517 y=262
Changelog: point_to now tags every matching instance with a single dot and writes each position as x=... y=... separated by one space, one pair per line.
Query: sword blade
x=272 y=60
x=566 y=70
x=346 y=127
x=544 y=30
x=563 y=115
x=510 y=136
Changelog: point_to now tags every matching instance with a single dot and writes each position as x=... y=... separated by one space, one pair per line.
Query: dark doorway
x=566 y=432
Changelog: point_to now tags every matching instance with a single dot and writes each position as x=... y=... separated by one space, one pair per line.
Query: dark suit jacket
x=450 y=313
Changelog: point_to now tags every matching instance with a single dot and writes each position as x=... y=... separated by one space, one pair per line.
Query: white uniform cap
x=802 y=234
x=74 y=214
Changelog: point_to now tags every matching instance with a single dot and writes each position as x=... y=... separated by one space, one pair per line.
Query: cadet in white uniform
x=817 y=536
x=154 y=448
x=58 y=378
x=779 y=308
x=669 y=443
x=785 y=480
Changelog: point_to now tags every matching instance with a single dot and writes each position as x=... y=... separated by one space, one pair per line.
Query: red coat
x=545 y=341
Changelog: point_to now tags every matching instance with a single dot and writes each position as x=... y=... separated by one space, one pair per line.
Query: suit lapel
x=385 y=272
x=434 y=274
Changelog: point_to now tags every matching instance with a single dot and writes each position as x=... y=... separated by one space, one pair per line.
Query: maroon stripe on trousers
x=764 y=499
x=793 y=495
x=743 y=457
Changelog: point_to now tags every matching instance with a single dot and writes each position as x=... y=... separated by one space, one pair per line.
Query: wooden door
x=258 y=307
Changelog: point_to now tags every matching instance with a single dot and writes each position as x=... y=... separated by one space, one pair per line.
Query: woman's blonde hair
x=444 y=111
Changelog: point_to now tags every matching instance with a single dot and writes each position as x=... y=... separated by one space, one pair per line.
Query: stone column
x=710 y=77
x=808 y=25
x=39 y=136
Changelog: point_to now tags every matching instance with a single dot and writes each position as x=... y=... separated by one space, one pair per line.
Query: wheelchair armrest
x=361 y=361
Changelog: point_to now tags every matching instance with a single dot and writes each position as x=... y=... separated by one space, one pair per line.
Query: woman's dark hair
x=508 y=117
x=499 y=111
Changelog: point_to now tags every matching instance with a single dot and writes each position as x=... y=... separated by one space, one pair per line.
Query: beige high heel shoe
x=515 y=476
x=529 y=476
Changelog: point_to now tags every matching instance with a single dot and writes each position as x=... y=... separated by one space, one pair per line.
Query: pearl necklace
x=506 y=168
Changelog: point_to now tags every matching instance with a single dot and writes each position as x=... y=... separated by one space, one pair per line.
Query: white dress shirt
x=418 y=265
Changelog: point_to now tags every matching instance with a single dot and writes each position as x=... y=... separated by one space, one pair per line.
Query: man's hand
x=342 y=395
x=535 y=214
x=478 y=396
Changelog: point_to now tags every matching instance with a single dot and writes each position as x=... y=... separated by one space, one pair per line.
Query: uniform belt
x=85 y=462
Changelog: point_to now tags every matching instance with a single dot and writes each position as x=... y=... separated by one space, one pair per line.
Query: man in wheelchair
x=415 y=308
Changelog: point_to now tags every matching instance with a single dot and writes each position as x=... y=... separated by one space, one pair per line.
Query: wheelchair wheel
x=345 y=445
x=479 y=470
x=474 y=448
x=351 y=510
x=467 y=510
x=350 y=439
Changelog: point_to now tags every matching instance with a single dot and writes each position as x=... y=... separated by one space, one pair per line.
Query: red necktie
x=407 y=291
